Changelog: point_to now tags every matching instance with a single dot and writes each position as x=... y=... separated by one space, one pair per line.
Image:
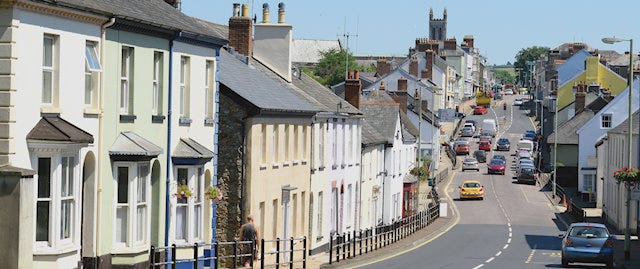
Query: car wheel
x=565 y=263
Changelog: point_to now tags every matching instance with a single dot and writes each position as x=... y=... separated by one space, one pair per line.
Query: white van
x=489 y=127
x=525 y=144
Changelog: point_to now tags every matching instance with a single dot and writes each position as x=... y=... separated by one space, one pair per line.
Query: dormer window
x=605 y=121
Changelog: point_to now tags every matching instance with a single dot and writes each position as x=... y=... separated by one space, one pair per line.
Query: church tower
x=437 y=27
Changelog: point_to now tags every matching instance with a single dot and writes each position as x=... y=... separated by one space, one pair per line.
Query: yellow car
x=471 y=189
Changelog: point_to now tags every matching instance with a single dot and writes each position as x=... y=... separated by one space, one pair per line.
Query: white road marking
x=509 y=241
x=510 y=229
x=524 y=194
x=498 y=254
x=510 y=235
x=505 y=246
x=509 y=224
x=479 y=266
x=490 y=259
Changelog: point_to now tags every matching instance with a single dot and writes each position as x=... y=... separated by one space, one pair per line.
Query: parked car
x=470 y=163
x=523 y=154
x=587 y=242
x=499 y=157
x=527 y=174
x=496 y=166
x=474 y=122
x=479 y=110
x=470 y=125
x=466 y=132
x=518 y=102
x=503 y=144
x=508 y=92
x=529 y=136
x=462 y=149
x=480 y=155
x=471 y=189
x=460 y=115
x=485 y=145
x=484 y=137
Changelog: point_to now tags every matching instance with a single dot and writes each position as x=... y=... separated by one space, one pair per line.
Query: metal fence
x=283 y=252
x=348 y=245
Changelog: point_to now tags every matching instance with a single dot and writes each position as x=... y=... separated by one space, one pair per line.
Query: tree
x=330 y=70
x=525 y=55
x=504 y=76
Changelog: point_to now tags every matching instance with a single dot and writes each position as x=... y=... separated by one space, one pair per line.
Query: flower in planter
x=213 y=193
x=183 y=192
x=627 y=175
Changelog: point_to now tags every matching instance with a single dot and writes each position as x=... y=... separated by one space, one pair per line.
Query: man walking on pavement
x=249 y=232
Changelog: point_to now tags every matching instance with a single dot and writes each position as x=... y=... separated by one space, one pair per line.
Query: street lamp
x=627 y=235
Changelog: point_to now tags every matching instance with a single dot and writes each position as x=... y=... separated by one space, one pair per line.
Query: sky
x=500 y=27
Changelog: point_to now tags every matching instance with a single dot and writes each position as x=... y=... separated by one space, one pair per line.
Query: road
x=515 y=226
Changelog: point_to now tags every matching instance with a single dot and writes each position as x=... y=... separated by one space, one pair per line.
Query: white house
x=595 y=129
x=372 y=164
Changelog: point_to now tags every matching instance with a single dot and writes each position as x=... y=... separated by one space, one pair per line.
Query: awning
x=129 y=146
x=54 y=128
x=190 y=152
x=409 y=178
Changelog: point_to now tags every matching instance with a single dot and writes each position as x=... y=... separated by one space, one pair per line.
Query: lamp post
x=627 y=233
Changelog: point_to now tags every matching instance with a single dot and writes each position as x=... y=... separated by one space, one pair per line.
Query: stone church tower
x=437 y=27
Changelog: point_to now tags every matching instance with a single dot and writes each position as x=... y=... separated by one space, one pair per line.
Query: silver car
x=470 y=163
x=466 y=132
x=587 y=242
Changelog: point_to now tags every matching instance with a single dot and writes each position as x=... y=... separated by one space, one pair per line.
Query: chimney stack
x=383 y=66
x=469 y=40
x=265 y=13
x=450 y=44
x=433 y=45
x=174 y=3
x=382 y=87
x=400 y=96
x=353 y=89
x=427 y=72
x=413 y=66
x=240 y=30
x=581 y=92
x=281 y=13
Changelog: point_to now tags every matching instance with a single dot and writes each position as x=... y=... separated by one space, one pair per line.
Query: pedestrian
x=249 y=232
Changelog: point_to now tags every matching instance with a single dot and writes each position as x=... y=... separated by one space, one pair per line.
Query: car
x=508 y=92
x=462 y=140
x=462 y=149
x=470 y=163
x=587 y=242
x=474 y=122
x=496 y=166
x=524 y=162
x=529 y=136
x=479 y=110
x=503 y=144
x=499 y=157
x=460 y=115
x=519 y=168
x=466 y=132
x=471 y=189
x=470 y=125
x=527 y=174
x=518 y=102
x=523 y=154
x=480 y=155
x=497 y=96
x=484 y=137
x=485 y=145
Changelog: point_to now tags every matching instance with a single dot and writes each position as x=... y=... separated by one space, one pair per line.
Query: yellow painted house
x=595 y=73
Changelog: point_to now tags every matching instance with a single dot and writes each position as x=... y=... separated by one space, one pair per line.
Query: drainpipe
x=167 y=219
x=214 y=207
x=103 y=31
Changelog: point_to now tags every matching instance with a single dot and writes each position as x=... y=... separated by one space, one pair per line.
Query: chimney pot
x=281 y=12
x=357 y=75
x=236 y=10
x=350 y=75
x=265 y=13
x=245 y=10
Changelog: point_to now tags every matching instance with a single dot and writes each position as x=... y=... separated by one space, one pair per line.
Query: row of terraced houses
x=108 y=107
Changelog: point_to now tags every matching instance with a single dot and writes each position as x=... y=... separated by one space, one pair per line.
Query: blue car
x=587 y=242
x=529 y=135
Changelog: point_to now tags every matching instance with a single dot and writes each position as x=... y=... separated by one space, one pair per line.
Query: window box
x=184 y=121
x=128 y=118
x=91 y=111
x=209 y=121
x=157 y=118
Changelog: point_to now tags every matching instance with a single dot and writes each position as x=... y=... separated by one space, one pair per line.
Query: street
x=515 y=226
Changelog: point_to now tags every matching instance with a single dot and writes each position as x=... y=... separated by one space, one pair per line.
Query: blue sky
x=500 y=28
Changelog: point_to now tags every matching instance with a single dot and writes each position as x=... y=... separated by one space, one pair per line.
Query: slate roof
x=58 y=129
x=381 y=112
x=189 y=148
x=623 y=60
x=9 y=170
x=597 y=104
x=308 y=50
x=150 y=12
x=370 y=136
x=132 y=144
x=366 y=81
x=567 y=131
x=572 y=67
x=623 y=127
x=256 y=88
x=391 y=82
x=410 y=132
x=326 y=100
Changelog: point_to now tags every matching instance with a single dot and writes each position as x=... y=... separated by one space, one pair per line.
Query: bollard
x=215 y=255
x=337 y=248
x=195 y=256
x=291 y=254
x=173 y=256
x=354 y=243
x=360 y=242
x=348 y=245
x=262 y=253
x=344 y=243
x=277 y=253
x=330 y=247
x=304 y=252
x=152 y=258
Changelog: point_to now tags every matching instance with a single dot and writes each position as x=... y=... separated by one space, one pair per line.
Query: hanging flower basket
x=627 y=175
x=184 y=192
x=213 y=193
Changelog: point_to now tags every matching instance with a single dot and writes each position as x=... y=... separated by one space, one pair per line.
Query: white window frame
x=590 y=179
x=194 y=206
x=184 y=86
x=51 y=69
x=209 y=88
x=91 y=74
x=263 y=143
x=287 y=142
x=321 y=147
x=320 y=213
x=56 y=243
x=133 y=221
x=274 y=143
x=126 y=74
x=609 y=121
x=158 y=58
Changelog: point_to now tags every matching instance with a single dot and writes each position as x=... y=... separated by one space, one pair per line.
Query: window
x=349 y=206
x=304 y=142
x=126 y=85
x=295 y=214
x=349 y=143
x=184 y=87
x=296 y=142
x=209 y=87
x=263 y=142
x=335 y=142
x=303 y=207
x=321 y=145
x=287 y=143
x=56 y=198
x=319 y=213
x=91 y=74
x=589 y=179
x=157 y=83
x=261 y=215
x=132 y=204
x=334 y=212
x=49 y=70
x=605 y=121
x=189 y=210
x=275 y=219
x=275 y=148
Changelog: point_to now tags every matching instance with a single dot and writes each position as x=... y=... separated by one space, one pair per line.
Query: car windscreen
x=528 y=171
x=497 y=162
x=588 y=232
x=469 y=160
x=471 y=185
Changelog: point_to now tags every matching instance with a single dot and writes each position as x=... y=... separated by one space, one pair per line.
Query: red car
x=479 y=110
x=462 y=149
x=496 y=166
x=485 y=145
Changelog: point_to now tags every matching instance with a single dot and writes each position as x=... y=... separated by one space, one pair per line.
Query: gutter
x=103 y=30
